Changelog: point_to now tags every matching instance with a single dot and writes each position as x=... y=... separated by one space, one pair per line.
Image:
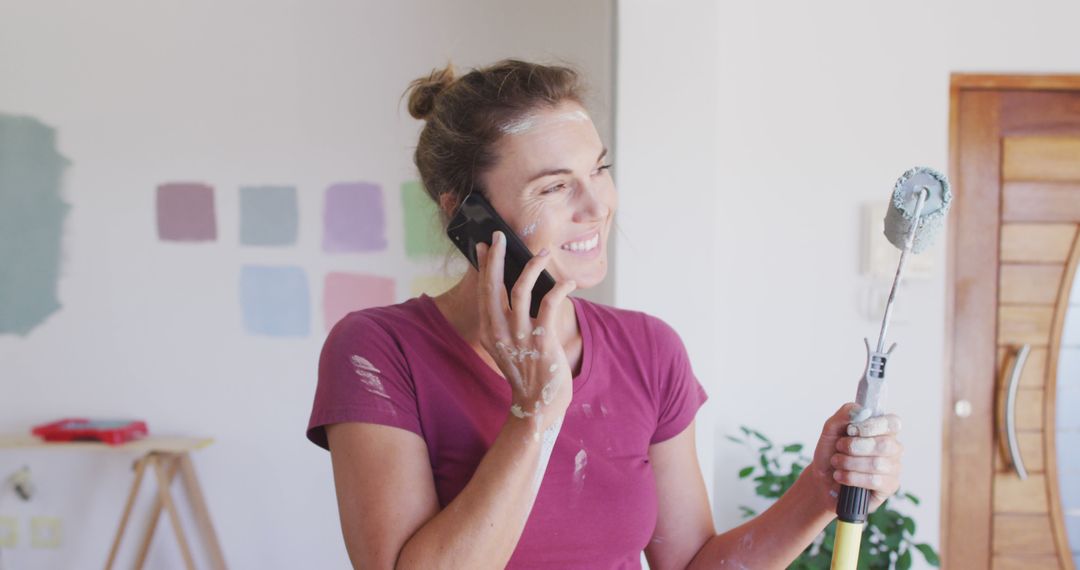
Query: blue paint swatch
x=268 y=215
x=275 y=301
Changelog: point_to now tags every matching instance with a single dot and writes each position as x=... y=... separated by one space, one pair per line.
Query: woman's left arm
x=685 y=537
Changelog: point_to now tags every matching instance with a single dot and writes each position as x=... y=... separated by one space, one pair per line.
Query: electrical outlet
x=9 y=532
x=45 y=532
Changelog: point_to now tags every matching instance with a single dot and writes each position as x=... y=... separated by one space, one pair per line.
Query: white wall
x=229 y=93
x=750 y=136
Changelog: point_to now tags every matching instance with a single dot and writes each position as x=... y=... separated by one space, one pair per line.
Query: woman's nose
x=590 y=204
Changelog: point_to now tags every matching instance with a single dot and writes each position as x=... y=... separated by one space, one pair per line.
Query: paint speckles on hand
x=581 y=460
x=538 y=331
x=369 y=375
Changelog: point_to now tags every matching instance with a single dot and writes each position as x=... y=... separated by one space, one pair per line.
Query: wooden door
x=1014 y=250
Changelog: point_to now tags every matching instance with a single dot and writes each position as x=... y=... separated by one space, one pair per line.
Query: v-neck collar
x=477 y=362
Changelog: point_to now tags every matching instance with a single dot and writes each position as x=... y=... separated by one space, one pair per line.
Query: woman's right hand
x=527 y=351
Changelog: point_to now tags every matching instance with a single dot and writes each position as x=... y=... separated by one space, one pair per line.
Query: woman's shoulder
x=639 y=324
x=384 y=319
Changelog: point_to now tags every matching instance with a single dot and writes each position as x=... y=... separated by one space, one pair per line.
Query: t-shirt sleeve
x=679 y=393
x=363 y=377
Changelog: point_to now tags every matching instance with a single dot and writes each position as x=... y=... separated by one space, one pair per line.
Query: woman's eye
x=554 y=188
x=603 y=168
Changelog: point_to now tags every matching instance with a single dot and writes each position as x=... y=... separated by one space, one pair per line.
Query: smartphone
x=476 y=220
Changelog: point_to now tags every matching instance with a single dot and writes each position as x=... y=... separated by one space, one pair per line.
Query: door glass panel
x=1068 y=420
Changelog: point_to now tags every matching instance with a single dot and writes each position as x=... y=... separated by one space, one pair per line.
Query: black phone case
x=475 y=222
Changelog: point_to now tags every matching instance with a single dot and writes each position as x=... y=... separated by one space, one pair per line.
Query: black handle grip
x=853 y=504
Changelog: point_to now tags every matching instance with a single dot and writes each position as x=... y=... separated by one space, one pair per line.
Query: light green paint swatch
x=32 y=212
x=423 y=231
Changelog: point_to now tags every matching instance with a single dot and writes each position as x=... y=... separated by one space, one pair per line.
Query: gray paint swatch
x=268 y=215
x=32 y=213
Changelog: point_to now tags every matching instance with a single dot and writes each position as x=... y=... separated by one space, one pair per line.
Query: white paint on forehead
x=531 y=121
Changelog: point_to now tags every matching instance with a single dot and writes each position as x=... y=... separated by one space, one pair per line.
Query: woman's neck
x=460 y=307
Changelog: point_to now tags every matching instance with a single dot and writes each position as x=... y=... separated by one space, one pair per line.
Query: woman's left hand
x=864 y=454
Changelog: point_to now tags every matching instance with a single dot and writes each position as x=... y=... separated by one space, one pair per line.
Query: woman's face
x=552 y=186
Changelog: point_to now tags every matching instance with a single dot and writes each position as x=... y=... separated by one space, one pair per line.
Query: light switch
x=45 y=532
x=9 y=532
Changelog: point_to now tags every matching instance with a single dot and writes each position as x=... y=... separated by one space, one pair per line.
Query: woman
x=465 y=434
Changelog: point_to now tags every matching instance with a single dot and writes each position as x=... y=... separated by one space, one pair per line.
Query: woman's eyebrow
x=554 y=171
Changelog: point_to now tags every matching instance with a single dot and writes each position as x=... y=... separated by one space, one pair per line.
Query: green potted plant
x=889 y=537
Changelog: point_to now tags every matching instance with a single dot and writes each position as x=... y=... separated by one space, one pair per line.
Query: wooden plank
x=1024 y=324
x=162 y=444
x=1015 y=562
x=1044 y=158
x=1015 y=496
x=1031 y=284
x=1040 y=202
x=1023 y=534
x=1040 y=113
x=1029 y=409
x=1040 y=81
x=1031 y=451
x=1034 y=373
x=968 y=450
x=1036 y=243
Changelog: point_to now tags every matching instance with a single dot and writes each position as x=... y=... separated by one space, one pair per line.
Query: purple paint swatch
x=185 y=212
x=354 y=218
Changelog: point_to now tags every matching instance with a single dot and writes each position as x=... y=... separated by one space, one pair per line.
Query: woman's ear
x=448 y=204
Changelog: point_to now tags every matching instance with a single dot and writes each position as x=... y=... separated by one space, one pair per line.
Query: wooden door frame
x=978 y=222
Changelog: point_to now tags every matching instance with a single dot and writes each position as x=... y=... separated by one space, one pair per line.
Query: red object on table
x=112 y=432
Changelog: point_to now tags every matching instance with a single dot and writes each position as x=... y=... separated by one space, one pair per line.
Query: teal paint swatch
x=32 y=213
x=423 y=229
x=268 y=215
x=275 y=301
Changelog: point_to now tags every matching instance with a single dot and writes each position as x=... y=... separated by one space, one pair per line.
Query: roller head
x=905 y=194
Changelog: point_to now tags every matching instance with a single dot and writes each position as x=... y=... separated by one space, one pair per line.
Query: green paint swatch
x=423 y=230
x=32 y=212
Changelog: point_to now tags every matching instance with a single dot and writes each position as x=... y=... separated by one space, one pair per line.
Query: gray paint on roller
x=901 y=208
x=32 y=212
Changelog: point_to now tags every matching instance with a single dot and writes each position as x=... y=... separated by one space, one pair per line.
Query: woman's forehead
x=552 y=145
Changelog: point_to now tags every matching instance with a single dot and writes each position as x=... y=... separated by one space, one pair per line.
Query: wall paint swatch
x=185 y=212
x=32 y=213
x=423 y=228
x=354 y=218
x=268 y=215
x=433 y=285
x=344 y=293
x=275 y=301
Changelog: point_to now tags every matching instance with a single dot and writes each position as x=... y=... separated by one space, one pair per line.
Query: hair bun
x=423 y=91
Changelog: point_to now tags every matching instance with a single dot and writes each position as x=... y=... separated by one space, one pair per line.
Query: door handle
x=1008 y=417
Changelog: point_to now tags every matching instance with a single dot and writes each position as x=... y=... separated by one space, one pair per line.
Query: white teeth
x=586 y=245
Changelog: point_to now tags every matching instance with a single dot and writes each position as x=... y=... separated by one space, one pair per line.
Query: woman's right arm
x=386 y=493
x=389 y=511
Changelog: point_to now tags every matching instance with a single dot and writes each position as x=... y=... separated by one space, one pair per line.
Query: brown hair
x=464 y=117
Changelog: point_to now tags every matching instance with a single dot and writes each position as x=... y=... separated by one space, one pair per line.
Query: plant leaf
x=735 y=439
x=912 y=498
x=929 y=554
x=904 y=562
x=745 y=472
x=793 y=448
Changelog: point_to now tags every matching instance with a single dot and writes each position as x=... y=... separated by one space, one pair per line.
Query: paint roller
x=920 y=201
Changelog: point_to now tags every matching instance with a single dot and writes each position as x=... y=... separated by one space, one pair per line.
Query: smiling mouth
x=583 y=245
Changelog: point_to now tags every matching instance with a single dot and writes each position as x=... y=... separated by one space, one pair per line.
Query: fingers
x=869 y=446
x=522 y=293
x=873 y=427
x=837 y=424
x=886 y=484
x=492 y=290
x=880 y=465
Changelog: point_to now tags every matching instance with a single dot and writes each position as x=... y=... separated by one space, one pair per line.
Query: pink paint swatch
x=185 y=212
x=344 y=293
x=354 y=218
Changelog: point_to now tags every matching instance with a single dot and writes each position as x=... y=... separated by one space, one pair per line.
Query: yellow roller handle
x=845 y=554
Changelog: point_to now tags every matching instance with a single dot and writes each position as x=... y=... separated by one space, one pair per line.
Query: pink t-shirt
x=406 y=366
